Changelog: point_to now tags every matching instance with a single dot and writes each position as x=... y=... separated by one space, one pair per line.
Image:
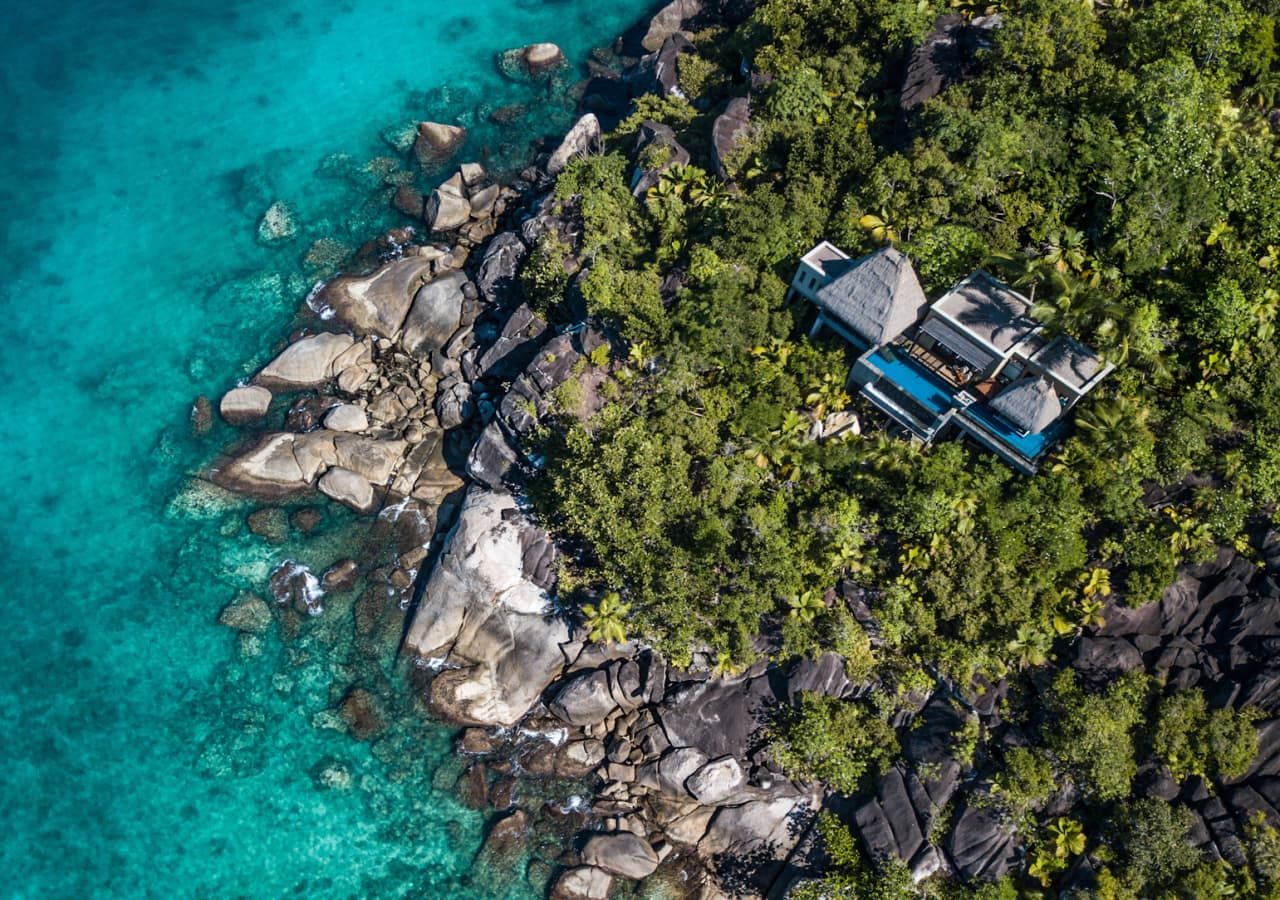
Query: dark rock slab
x=521 y=337
x=979 y=846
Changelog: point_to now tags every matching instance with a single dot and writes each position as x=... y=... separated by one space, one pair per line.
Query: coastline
x=602 y=764
x=388 y=424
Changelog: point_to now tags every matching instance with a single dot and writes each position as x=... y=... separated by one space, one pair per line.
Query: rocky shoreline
x=409 y=397
x=419 y=384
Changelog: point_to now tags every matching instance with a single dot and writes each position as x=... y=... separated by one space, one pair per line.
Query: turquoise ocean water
x=145 y=751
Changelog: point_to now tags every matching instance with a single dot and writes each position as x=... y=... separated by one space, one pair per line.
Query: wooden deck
x=953 y=374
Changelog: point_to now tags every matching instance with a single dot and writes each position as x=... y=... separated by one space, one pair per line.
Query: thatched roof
x=1029 y=403
x=879 y=297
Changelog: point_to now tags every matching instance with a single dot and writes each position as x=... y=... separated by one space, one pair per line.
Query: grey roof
x=1069 y=361
x=1030 y=403
x=879 y=296
x=990 y=310
x=823 y=255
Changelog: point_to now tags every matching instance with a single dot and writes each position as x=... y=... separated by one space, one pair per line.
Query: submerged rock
x=248 y=613
x=362 y=713
x=270 y=523
x=201 y=415
x=341 y=576
x=277 y=224
x=507 y=833
x=306 y=519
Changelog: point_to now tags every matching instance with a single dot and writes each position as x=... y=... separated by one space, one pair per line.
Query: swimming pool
x=915 y=380
x=1028 y=445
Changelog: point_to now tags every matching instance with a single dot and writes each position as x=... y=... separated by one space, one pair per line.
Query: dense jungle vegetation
x=1116 y=162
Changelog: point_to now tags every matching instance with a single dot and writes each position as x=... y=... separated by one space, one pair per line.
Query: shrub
x=834 y=741
x=1191 y=740
x=1094 y=733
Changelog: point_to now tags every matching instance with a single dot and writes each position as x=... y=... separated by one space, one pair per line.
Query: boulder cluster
x=1217 y=628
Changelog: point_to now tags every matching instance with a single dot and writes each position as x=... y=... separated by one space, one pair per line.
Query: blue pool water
x=1029 y=445
x=922 y=386
x=140 y=141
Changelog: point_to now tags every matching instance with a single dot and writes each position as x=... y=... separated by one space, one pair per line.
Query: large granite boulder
x=729 y=131
x=716 y=781
x=522 y=334
x=435 y=142
x=346 y=417
x=582 y=883
x=307 y=363
x=435 y=314
x=285 y=463
x=769 y=827
x=621 y=853
x=245 y=404
x=948 y=54
x=669 y=774
x=585 y=699
x=979 y=846
x=448 y=207
x=720 y=716
x=278 y=465
x=348 y=488
x=667 y=21
x=582 y=138
x=377 y=303
x=658 y=73
x=494 y=459
x=481 y=612
x=531 y=61
x=656 y=151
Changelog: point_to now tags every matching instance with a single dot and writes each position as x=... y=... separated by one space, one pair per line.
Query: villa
x=973 y=362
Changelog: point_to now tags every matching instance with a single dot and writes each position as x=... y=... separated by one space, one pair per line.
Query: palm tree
x=1097 y=582
x=878 y=227
x=964 y=506
x=1110 y=426
x=1221 y=234
x=1029 y=647
x=605 y=619
x=1068 y=838
x=1066 y=251
x=1021 y=269
x=806 y=606
x=888 y=454
x=827 y=394
x=725 y=667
